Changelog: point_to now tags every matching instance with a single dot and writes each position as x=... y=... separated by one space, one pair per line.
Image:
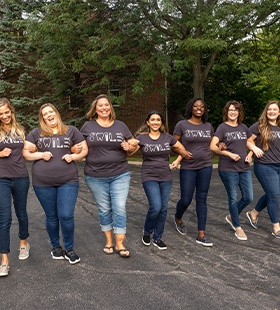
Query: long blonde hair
x=46 y=131
x=16 y=129
x=264 y=126
x=92 y=115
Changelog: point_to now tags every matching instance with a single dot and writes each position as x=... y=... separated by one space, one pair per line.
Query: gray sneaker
x=181 y=228
x=24 y=252
x=4 y=270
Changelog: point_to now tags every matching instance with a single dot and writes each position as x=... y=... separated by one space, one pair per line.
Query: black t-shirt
x=272 y=155
x=13 y=166
x=105 y=156
x=235 y=138
x=156 y=155
x=56 y=171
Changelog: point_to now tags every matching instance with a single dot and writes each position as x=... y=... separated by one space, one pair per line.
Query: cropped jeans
x=269 y=177
x=197 y=181
x=110 y=194
x=158 y=196
x=232 y=181
x=59 y=204
x=18 y=189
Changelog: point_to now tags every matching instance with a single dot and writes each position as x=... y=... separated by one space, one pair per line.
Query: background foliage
x=64 y=51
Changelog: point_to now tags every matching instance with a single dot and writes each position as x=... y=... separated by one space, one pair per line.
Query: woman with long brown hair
x=266 y=133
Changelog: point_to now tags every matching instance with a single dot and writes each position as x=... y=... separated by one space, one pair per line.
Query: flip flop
x=120 y=252
x=108 y=248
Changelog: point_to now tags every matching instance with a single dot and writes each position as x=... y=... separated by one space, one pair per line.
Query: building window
x=114 y=92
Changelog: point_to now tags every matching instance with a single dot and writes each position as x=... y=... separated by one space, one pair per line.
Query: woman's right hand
x=47 y=155
x=6 y=152
x=234 y=156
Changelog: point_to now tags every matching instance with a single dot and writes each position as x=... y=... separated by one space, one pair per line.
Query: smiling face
x=103 y=108
x=154 y=122
x=49 y=117
x=198 y=109
x=273 y=113
x=233 y=113
x=5 y=116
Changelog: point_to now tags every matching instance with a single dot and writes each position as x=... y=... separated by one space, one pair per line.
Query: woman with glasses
x=234 y=164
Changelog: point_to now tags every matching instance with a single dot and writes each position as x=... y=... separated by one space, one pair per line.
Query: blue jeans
x=59 y=203
x=233 y=180
x=198 y=181
x=158 y=196
x=269 y=177
x=18 y=189
x=110 y=194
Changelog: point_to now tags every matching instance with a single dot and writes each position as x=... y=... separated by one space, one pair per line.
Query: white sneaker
x=24 y=252
x=4 y=270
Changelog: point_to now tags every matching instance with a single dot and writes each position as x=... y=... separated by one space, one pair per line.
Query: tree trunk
x=198 y=80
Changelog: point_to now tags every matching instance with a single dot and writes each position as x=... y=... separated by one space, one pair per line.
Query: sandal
x=107 y=250
x=120 y=252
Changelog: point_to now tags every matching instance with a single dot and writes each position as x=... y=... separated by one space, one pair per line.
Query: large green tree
x=191 y=34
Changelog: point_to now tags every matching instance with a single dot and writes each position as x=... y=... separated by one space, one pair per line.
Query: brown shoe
x=228 y=220
x=253 y=222
x=240 y=234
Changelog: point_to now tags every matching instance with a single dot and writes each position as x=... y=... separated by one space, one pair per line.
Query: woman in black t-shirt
x=14 y=183
x=156 y=144
x=266 y=132
x=55 y=176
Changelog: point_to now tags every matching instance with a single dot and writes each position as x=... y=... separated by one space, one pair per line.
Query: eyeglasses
x=231 y=110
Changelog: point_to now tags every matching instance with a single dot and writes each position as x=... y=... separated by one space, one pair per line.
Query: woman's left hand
x=68 y=158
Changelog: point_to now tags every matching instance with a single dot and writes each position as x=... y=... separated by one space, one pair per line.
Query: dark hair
x=238 y=106
x=144 y=129
x=189 y=107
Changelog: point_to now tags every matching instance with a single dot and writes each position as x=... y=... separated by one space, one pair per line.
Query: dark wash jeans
x=158 y=196
x=18 y=189
x=232 y=181
x=198 y=181
x=269 y=177
x=59 y=203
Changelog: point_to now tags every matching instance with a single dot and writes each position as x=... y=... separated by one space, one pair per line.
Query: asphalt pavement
x=232 y=274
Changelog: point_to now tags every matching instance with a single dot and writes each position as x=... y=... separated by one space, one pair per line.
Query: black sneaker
x=72 y=257
x=204 y=241
x=159 y=244
x=146 y=239
x=181 y=228
x=57 y=253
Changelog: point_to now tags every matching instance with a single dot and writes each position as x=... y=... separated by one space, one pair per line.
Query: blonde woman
x=55 y=176
x=14 y=183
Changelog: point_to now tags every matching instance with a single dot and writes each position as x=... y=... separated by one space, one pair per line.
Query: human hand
x=77 y=148
x=257 y=151
x=6 y=152
x=68 y=158
x=47 y=155
x=174 y=165
x=235 y=157
x=222 y=146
